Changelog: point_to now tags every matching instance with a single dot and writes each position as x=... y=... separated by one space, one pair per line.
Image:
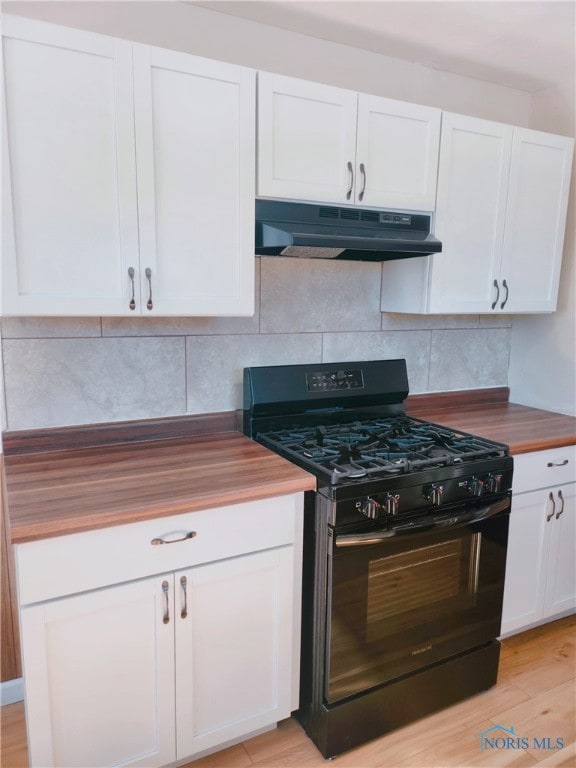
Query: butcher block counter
x=488 y=413
x=108 y=475
x=56 y=492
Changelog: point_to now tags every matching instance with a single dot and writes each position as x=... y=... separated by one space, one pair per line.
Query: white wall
x=215 y=35
x=542 y=369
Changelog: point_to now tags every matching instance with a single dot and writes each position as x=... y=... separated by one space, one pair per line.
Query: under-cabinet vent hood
x=307 y=231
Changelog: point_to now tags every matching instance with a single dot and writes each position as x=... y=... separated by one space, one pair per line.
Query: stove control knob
x=494 y=482
x=392 y=500
x=477 y=486
x=370 y=508
x=434 y=493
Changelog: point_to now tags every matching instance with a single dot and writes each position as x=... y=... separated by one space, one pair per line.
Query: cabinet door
x=561 y=571
x=527 y=560
x=69 y=184
x=397 y=154
x=470 y=213
x=233 y=648
x=99 y=676
x=195 y=125
x=535 y=220
x=306 y=140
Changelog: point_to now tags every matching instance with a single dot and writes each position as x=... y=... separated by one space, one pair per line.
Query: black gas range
x=404 y=546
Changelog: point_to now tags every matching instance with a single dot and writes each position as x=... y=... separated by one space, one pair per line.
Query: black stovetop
x=379 y=447
x=346 y=424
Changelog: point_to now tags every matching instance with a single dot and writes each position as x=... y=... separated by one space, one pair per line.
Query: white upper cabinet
x=70 y=229
x=129 y=178
x=500 y=214
x=306 y=140
x=396 y=154
x=535 y=219
x=195 y=157
x=470 y=213
x=316 y=142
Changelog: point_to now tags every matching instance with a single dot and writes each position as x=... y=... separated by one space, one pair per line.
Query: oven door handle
x=452 y=521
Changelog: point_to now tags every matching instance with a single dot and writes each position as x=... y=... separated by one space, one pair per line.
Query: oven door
x=402 y=599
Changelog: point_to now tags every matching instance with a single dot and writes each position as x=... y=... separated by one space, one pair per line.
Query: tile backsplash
x=61 y=371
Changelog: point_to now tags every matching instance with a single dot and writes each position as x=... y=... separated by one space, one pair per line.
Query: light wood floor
x=536 y=694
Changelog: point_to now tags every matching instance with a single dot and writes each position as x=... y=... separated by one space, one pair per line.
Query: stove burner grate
x=358 y=449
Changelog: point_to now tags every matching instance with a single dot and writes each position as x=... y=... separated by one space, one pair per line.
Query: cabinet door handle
x=132 y=303
x=351 y=172
x=497 y=294
x=166 y=618
x=504 y=285
x=557 y=463
x=551 y=515
x=148 y=273
x=363 y=172
x=167 y=540
x=561 y=497
x=184 y=611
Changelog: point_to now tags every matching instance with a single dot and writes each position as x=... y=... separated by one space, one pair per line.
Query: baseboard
x=11 y=691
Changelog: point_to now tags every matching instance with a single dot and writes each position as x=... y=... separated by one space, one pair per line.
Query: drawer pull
x=184 y=611
x=166 y=618
x=551 y=515
x=557 y=463
x=561 y=497
x=166 y=540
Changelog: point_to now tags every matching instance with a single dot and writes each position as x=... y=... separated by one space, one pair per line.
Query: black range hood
x=307 y=230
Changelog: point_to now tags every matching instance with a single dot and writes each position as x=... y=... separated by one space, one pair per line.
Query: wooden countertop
x=58 y=481
x=51 y=493
x=522 y=428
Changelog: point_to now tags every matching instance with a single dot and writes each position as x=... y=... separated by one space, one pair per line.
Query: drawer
x=544 y=468
x=63 y=565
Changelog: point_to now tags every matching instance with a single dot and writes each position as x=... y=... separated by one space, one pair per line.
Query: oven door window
x=408 y=602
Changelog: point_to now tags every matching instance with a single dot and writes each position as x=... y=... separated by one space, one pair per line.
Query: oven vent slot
x=349 y=214
x=370 y=216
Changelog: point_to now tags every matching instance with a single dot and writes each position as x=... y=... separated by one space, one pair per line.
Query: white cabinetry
x=501 y=212
x=129 y=178
x=317 y=142
x=99 y=674
x=70 y=228
x=540 y=570
x=140 y=669
x=195 y=160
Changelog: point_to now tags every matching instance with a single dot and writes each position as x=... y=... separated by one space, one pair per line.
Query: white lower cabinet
x=540 y=569
x=99 y=675
x=165 y=667
x=233 y=649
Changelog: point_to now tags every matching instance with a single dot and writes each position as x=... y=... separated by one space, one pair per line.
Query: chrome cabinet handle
x=561 y=497
x=363 y=172
x=351 y=172
x=504 y=285
x=184 y=611
x=148 y=273
x=557 y=463
x=167 y=540
x=497 y=294
x=132 y=303
x=166 y=618
x=551 y=515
